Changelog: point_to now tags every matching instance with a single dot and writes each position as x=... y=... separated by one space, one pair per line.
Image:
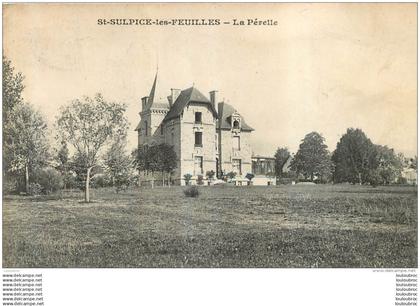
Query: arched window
x=145 y=128
x=236 y=124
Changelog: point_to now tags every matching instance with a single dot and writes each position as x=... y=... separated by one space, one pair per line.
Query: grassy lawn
x=279 y=226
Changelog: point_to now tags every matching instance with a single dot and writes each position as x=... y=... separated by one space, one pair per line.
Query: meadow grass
x=250 y=226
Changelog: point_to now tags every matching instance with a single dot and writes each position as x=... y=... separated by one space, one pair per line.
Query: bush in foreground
x=191 y=192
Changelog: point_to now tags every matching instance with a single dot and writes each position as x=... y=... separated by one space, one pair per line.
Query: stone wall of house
x=228 y=153
x=172 y=136
x=188 y=149
x=180 y=132
x=154 y=118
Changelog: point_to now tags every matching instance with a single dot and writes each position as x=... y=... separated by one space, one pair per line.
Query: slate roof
x=225 y=116
x=185 y=97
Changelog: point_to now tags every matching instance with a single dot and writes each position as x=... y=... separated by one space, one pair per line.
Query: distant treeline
x=355 y=160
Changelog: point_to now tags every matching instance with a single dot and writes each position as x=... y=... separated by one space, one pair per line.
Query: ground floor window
x=236 y=166
x=198 y=165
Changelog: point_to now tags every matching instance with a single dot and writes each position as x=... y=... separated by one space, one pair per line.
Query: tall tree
x=389 y=165
x=281 y=157
x=167 y=160
x=155 y=158
x=64 y=165
x=355 y=158
x=118 y=163
x=12 y=88
x=29 y=148
x=312 y=159
x=12 y=97
x=90 y=125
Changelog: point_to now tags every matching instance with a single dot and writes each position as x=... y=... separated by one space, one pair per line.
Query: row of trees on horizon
x=356 y=160
x=90 y=147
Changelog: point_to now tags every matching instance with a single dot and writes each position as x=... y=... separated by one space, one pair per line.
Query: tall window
x=161 y=130
x=145 y=128
x=198 y=165
x=198 y=117
x=236 y=166
x=198 y=139
x=236 y=143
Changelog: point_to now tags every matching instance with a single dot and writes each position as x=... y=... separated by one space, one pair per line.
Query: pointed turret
x=157 y=98
x=152 y=92
x=154 y=109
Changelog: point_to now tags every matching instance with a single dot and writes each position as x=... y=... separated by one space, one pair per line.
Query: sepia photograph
x=210 y=135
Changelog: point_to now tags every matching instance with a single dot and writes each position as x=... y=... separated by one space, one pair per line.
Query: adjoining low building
x=263 y=167
x=410 y=175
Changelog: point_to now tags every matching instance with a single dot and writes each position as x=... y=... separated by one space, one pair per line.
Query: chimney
x=213 y=98
x=143 y=103
x=174 y=95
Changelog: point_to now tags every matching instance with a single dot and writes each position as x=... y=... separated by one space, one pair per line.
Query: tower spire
x=152 y=91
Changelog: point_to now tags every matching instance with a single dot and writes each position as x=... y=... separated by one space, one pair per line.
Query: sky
x=323 y=67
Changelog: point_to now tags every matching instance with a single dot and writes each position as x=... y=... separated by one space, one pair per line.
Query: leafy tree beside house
x=281 y=157
x=167 y=161
x=90 y=125
x=312 y=160
x=152 y=159
x=355 y=158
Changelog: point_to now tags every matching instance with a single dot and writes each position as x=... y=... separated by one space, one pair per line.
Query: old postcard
x=212 y=135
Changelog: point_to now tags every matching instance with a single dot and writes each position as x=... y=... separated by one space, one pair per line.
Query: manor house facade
x=206 y=135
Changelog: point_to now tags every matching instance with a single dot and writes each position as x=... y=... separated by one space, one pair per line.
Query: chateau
x=206 y=135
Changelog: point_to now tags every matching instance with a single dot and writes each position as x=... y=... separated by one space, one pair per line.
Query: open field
x=279 y=226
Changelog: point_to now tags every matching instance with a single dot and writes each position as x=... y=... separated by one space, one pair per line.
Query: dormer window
x=198 y=117
x=236 y=124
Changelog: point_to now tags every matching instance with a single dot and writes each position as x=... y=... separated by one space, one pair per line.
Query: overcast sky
x=324 y=67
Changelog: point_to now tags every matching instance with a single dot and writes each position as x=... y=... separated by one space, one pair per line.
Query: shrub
x=34 y=189
x=70 y=181
x=187 y=178
x=99 y=181
x=401 y=180
x=210 y=174
x=50 y=180
x=200 y=180
x=231 y=175
x=191 y=192
x=373 y=178
x=122 y=182
x=10 y=184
